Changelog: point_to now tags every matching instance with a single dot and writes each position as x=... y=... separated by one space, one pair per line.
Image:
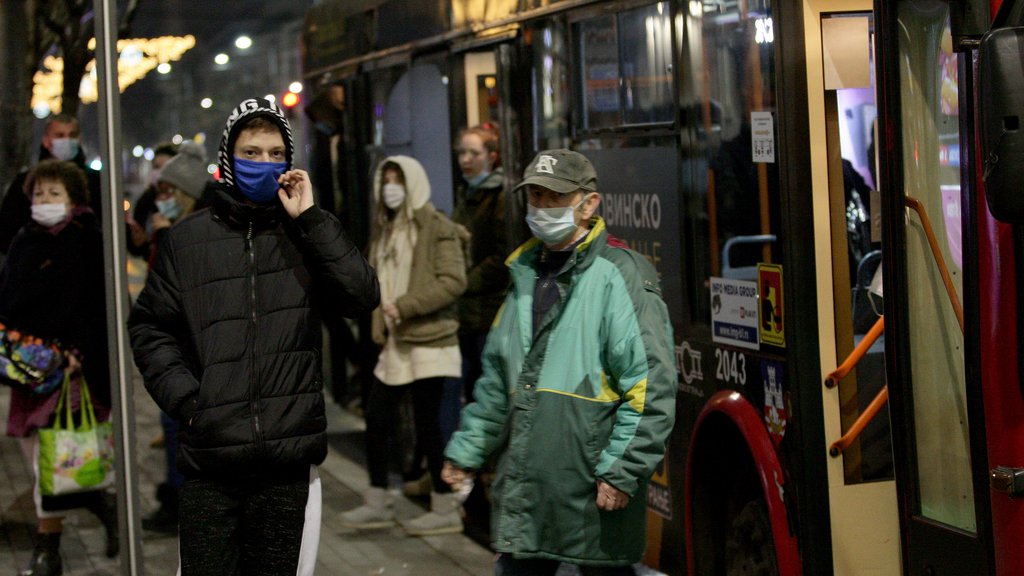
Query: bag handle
x=88 y=419
x=88 y=411
x=64 y=406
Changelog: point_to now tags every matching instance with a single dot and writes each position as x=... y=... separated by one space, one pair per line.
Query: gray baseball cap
x=563 y=171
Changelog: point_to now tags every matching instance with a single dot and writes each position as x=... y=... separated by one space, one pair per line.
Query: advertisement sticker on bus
x=775 y=415
x=659 y=497
x=734 y=312
x=769 y=281
x=762 y=135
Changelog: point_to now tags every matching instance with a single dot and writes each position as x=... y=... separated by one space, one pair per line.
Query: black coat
x=51 y=286
x=227 y=333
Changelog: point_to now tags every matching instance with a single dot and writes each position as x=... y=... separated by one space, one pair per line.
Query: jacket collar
x=239 y=213
x=527 y=254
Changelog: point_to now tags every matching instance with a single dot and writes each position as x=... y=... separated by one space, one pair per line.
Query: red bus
x=810 y=182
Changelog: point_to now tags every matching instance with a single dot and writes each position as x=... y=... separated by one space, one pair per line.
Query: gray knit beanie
x=188 y=170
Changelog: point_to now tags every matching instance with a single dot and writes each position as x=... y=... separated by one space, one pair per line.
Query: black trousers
x=382 y=416
x=236 y=528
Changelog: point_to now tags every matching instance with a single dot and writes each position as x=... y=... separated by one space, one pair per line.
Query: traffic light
x=289 y=101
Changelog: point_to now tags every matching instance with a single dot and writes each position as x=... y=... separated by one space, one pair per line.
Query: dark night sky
x=158 y=105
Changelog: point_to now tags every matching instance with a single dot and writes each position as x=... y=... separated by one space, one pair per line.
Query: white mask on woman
x=49 y=214
x=394 y=195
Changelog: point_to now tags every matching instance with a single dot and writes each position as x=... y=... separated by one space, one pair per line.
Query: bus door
x=848 y=253
x=410 y=117
x=481 y=95
x=938 y=428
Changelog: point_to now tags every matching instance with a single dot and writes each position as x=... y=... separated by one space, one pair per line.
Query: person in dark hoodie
x=51 y=286
x=227 y=335
x=60 y=141
x=480 y=207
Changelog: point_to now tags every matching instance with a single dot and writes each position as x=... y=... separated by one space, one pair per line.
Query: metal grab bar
x=916 y=205
x=862 y=421
x=844 y=369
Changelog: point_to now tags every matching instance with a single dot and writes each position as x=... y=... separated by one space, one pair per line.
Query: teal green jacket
x=591 y=397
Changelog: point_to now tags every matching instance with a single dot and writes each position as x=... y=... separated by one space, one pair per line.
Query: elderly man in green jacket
x=578 y=387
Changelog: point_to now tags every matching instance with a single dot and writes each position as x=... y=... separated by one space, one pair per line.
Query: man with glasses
x=577 y=396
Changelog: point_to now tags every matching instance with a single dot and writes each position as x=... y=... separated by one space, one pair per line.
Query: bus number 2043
x=731 y=367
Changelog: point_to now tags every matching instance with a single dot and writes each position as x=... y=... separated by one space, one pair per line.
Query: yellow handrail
x=858 y=353
x=862 y=421
x=844 y=369
x=916 y=205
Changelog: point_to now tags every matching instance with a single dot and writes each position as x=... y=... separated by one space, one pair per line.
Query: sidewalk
x=342 y=551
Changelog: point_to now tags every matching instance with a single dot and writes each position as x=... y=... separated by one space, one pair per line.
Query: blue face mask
x=258 y=180
x=170 y=208
x=477 y=180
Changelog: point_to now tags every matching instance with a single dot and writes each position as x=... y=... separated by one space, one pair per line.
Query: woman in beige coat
x=418 y=256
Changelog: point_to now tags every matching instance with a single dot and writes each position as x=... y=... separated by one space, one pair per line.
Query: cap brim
x=549 y=182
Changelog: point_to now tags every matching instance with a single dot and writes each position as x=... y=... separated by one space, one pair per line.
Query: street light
x=206 y=102
x=295 y=87
x=243 y=42
x=164 y=68
x=290 y=99
x=221 y=59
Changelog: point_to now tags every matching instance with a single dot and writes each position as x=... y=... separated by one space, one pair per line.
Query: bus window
x=599 y=68
x=548 y=49
x=646 y=59
x=931 y=174
x=626 y=71
x=732 y=212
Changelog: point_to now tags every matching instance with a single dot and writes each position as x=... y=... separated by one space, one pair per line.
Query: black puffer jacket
x=227 y=332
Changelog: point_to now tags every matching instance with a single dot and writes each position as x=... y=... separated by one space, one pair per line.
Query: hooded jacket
x=590 y=396
x=482 y=212
x=438 y=275
x=227 y=330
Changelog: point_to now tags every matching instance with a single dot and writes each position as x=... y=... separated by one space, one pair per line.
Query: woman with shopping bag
x=52 y=287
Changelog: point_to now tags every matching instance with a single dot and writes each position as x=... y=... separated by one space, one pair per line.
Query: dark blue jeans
x=509 y=566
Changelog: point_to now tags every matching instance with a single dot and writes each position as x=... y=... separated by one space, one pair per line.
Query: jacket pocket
x=428 y=329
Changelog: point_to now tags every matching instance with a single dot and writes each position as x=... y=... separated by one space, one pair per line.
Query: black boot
x=105 y=508
x=45 y=557
x=165 y=519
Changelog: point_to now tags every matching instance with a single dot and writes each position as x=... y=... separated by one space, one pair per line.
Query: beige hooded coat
x=420 y=263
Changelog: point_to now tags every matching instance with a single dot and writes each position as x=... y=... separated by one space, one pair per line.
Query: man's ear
x=590 y=204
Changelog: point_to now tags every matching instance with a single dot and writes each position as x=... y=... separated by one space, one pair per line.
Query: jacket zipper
x=254 y=396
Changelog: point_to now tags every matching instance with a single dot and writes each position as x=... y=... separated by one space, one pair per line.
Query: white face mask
x=64 y=148
x=552 y=225
x=394 y=195
x=49 y=214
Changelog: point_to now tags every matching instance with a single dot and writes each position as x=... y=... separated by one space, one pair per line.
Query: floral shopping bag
x=29 y=362
x=75 y=460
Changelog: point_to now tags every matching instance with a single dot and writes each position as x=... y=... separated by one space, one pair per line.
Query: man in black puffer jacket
x=226 y=334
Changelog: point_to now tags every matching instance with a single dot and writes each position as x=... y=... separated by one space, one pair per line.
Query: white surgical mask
x=394 y=195
x=64 y=148
x=552 y=225
x=49 y=214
